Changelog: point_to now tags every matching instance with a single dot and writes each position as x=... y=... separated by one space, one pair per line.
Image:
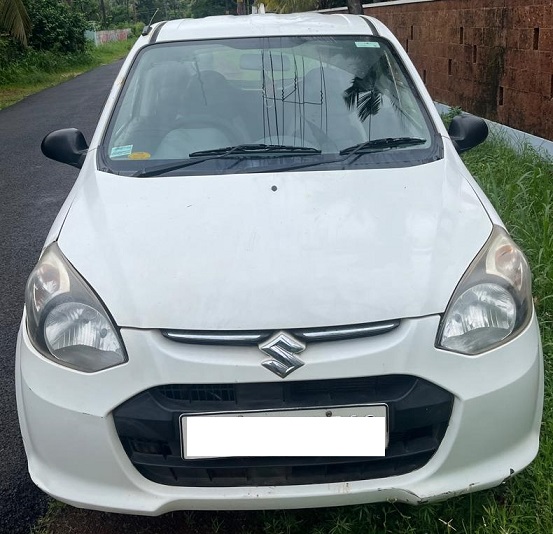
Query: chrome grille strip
x=345 y=332
x=216 y=338
x=254 y=337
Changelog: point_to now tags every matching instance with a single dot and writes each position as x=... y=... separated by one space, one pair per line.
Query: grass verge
x=55 y=509
x=39 y=70
x=520 y=185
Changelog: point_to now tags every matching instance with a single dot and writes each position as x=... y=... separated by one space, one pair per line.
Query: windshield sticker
x=118 y=151
x=367 y=44
x=140 y=155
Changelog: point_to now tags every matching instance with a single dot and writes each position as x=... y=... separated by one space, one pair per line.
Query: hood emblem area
x=282 y=349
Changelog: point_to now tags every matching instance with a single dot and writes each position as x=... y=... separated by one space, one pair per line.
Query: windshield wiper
x=259 y=148
x=238 y=151
x=384 y=143
x=168 y=167
x=376 y=145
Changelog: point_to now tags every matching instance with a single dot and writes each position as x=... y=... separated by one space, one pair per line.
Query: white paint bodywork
x=229 y=253
x=89 y=468
x=326 y=248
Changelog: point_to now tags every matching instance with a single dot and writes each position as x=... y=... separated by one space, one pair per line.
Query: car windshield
x=266 y=105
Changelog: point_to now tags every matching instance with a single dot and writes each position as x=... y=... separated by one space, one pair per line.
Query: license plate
x=335 y=431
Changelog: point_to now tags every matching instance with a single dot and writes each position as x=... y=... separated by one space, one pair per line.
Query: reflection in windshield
x=319 y=94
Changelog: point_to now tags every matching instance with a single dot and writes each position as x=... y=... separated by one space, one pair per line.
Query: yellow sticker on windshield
x=140 y=155
x=367 y=44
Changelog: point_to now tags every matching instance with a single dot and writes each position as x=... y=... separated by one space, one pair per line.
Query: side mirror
x=67 y=146
x=467 y=131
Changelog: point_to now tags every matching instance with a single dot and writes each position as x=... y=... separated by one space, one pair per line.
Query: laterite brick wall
x=493 y=58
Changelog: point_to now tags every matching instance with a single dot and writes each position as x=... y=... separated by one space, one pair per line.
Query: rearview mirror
x=467 y=131
x=67 y=146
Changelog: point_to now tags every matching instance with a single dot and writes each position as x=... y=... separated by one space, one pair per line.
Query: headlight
x=66 y=322
x=493 y=301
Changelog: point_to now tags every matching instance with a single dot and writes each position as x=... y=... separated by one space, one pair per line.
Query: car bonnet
x=272 y=251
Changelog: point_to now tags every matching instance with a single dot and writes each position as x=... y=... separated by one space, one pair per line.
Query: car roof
x=229 y=26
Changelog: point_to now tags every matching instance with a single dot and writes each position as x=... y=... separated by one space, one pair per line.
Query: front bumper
x=75 y=454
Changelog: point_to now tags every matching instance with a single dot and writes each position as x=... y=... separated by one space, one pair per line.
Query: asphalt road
x=32 y=189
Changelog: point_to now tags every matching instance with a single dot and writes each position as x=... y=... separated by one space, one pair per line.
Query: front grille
x=255 y=337
x=199 y=393
x=148 y=426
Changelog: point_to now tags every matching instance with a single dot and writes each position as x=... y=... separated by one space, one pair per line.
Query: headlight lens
x=493 y=301
x=66 y=321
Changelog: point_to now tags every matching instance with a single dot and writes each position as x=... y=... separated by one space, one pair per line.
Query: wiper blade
x=238 y=151
x=257 y=149
x=357 y=151
x=168 y=167
x=350 y=154
x=379 y=144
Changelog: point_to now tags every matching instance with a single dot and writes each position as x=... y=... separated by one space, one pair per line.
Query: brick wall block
x=545 y=85
x=525 y=39
x=545 y=62
x=546 y=40
x=503 y=32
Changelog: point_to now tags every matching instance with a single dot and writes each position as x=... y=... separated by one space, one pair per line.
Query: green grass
x=520 y=185
x=37 y=70
x=44 y=524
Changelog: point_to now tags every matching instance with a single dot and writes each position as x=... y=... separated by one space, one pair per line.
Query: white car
x=275 y=285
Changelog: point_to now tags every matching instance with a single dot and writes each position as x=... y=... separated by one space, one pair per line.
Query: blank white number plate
x=350 y=431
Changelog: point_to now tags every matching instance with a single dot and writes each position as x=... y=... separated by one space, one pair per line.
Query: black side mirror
x=467 y=131
x=67 y=145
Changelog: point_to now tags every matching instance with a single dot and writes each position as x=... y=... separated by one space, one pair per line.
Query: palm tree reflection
x=365 y=94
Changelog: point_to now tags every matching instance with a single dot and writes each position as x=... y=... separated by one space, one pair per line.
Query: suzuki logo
x=282 y=348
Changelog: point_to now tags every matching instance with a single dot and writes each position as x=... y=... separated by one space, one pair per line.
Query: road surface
x=32 y=189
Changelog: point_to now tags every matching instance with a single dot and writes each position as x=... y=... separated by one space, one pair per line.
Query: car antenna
x=148 y=26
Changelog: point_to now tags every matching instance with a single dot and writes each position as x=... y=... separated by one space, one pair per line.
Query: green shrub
x=10 y=52
x=32 y=67
x=56 y=26
x=137 y=28
x=448 y=117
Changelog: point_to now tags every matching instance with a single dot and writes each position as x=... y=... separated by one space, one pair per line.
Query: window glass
x=326 y=94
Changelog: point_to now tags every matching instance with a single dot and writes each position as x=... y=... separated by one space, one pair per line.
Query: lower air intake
x=148 y=426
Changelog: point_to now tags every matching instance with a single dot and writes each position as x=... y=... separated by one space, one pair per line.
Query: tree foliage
x=56 y=26
x=293 y=6
x=290 y=6
x=14 y=19
x=206 y=8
